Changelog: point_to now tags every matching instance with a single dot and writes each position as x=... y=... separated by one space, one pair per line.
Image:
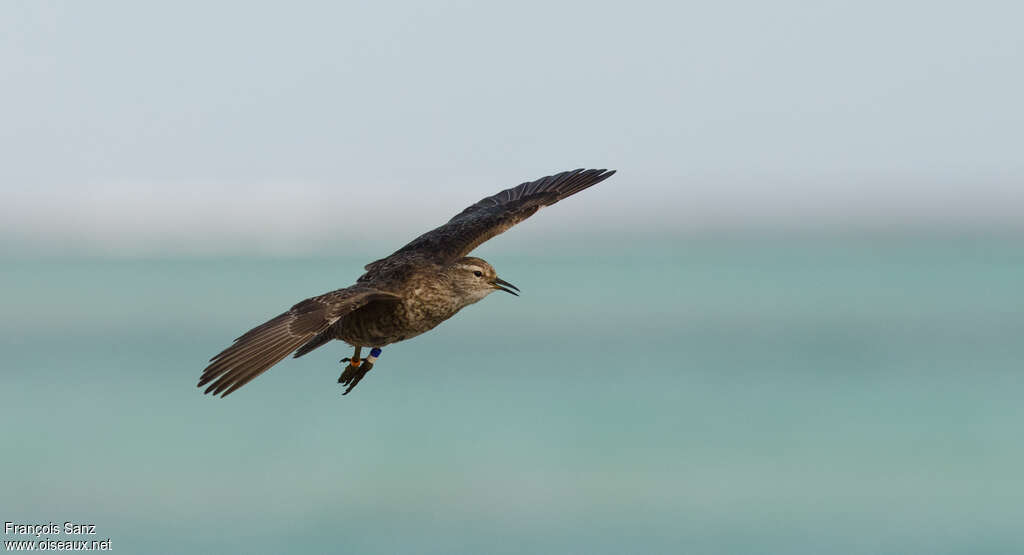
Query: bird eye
x=478 y=273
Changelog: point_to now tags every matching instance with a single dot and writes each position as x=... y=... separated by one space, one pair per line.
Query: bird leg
x=352 y=368
x=356 y=369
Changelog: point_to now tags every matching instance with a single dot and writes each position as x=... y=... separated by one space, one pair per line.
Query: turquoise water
x=705 y=396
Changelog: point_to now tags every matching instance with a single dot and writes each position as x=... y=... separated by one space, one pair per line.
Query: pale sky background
x=248 y=127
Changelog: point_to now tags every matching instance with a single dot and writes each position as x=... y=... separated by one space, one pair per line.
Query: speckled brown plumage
x=408 y=293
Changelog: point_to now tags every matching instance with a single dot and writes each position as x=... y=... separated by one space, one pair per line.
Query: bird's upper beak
x=505 y=286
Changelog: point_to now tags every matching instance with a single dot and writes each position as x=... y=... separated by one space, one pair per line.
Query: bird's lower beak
x=505 y=286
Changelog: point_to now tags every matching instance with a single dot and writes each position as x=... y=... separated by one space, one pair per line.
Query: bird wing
x=265 y=345
x=495 y=214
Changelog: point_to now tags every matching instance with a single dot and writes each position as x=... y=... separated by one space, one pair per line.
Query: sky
x=256 y=127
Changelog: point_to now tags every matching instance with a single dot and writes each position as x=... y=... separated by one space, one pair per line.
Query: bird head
x=474 y=279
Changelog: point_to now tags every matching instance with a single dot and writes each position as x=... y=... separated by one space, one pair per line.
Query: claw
x=356 y=368
x=350 y=369
x=353 y=375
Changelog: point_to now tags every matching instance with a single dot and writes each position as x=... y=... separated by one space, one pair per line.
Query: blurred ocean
x=774 y=395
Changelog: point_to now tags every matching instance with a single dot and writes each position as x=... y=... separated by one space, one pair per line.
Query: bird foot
x=356 y=369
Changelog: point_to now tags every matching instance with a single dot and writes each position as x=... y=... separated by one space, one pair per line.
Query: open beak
x=505 y=286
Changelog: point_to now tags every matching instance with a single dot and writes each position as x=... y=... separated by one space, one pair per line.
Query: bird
x=400 y=296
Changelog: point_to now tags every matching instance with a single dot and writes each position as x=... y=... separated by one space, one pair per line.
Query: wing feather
x=495 y=214
x=255 y=351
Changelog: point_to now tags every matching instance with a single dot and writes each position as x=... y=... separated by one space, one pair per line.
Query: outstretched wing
x=265 y=345
x=495 y=214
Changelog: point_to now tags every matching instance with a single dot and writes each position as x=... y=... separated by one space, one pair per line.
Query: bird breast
x=422 y=307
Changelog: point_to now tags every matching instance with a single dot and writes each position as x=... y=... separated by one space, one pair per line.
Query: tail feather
x=265 y=345
x=319 y=340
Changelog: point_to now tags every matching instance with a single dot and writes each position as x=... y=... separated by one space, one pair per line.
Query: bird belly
x=380 y=324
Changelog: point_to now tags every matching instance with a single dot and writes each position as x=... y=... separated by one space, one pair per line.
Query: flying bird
x=399 y=297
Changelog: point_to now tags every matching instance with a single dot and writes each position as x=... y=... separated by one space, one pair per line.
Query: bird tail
x=265 y=345
x=319 y=340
